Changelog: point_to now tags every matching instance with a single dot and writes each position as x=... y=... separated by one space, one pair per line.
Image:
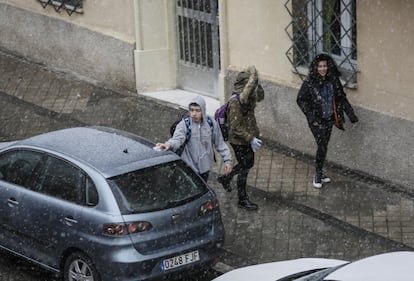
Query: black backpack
x=187 y=121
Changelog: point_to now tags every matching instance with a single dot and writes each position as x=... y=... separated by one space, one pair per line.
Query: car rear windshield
x=157 y=187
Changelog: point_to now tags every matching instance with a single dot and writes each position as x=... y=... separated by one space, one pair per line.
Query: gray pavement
x=358 y=215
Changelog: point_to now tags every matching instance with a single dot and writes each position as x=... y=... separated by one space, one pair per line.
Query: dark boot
x=225 y=182
x=248 y=205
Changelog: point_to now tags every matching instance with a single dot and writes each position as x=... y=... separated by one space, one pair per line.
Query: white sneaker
x=317 y=181
x=325 y=179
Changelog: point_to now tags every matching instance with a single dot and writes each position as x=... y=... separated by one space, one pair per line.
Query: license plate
x=180 y=260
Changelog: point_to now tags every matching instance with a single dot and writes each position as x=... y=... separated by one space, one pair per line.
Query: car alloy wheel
x=79 y=267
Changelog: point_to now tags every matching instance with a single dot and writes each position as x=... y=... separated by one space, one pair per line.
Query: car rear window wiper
x=178 y=202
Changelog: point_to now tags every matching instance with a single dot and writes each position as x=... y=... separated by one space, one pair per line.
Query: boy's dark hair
x=194 y=104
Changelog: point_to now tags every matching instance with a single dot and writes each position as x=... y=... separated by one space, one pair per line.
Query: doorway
x=198 y=46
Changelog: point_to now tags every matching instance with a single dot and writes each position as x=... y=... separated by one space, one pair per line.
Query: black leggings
x=245 y=158
x=322 y=135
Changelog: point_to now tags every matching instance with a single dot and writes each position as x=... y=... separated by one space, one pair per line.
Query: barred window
x=323 y=26
x=70 y=6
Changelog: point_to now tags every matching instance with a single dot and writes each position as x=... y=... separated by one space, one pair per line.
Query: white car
x=394 y=266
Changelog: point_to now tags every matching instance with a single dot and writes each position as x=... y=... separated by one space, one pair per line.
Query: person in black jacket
x=323 y=101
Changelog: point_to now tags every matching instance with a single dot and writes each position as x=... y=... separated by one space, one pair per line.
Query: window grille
x=70 y=6
x=198 y=32
x=323 y=26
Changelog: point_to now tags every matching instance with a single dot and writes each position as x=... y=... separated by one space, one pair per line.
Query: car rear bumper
x=129 y=265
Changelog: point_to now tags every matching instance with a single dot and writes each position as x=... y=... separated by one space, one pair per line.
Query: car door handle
x=12 y=202
x=70 y=221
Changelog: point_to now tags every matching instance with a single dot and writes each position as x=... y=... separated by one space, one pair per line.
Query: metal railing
x=323 y=26
x=70 y=6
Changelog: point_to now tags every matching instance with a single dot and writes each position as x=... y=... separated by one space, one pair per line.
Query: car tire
x=79 y=266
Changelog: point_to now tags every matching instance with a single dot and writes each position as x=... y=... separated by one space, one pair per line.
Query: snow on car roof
x=109 y=150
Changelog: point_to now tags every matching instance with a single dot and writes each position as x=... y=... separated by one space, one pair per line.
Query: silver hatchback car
x=99 y=204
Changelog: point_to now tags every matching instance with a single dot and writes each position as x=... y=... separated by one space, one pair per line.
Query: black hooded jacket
x=309 y=96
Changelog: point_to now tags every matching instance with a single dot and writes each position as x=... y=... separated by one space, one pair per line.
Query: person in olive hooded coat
x=243 y=131
x=323 y=101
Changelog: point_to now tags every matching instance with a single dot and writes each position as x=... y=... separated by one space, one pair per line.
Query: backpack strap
x=210 y=122
x=187 y=122
x=234 y=96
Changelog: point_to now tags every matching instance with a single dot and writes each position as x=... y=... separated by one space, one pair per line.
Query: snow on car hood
x=275 y=270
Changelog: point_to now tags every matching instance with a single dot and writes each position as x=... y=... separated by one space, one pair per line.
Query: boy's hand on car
x=162 y=146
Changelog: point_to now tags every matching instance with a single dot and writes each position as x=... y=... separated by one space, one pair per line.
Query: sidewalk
x=278 y=179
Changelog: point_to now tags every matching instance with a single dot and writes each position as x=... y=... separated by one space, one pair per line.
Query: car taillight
x=208 y=207
x=120 y=229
